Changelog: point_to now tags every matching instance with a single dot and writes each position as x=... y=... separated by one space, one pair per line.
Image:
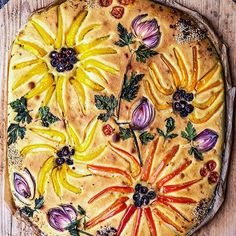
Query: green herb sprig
x=126 y=38
x=170 y=126
x=39 y=202
x=47 y=117
x=143 y=53
x=146 y=137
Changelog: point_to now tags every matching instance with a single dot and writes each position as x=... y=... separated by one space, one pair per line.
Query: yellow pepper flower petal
x=35 y=147
x=60 y=34
x=55 y=182
x=24 y=64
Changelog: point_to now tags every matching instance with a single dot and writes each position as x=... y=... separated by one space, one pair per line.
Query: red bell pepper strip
x=118 y=189
x=162 y=201
x=112 y=170
x=151 y=223
x=117 y=207
x=176 y=199
x=137 y=221
x=170 y=176
x=127 y=216
x=169 y=156
x=167 y=220
x=148 y=163
x=177 y=187
x=135 y=167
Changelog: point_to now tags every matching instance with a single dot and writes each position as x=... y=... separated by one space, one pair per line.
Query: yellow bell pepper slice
x=72 y=134
x=45 y=82
x=89 y=156
x=86 y=30
x=74 y=174
x=83 y=78
x=49 y=95
x=206 y=78
x=50 y=134
x=153 y=71
x=210 y=87
x=88 y=135
x=183 y=69
x=55 y=182
x=97 y=52
x=100 y=65
x=173 y=71
x=192 y=84
x=37 y=70
x=97 y=73
x=35 y=147
x=70 y=37
x=64 y=181
x=59 y=93
x=60 y=35
x=32 y=47
x=43 y=33
x=208 y=102
x=208 y=115
x=157 y=105
x=80 y=93
x=44 y=175
x=83 y=47
x=24 y=64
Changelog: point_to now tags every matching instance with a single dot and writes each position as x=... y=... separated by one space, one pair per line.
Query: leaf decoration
x=143 y=53
x=125 y=133
x=81 y=210
x=146 y=137
x=126 y=38
x=131 y=86
x=198 y=155
x=170 y=126
x=106 y=103
x=189 y=133
x=14 y=131
x=47 y=117
x=39 y=203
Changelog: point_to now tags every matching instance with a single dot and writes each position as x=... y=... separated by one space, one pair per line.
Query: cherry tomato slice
x=213 y=177
x=211 y=165
x=117 y=12
x=107 y=130
x=203 y=171
x=105 y=3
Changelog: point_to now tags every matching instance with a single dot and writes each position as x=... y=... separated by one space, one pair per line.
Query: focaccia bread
x=116 y=119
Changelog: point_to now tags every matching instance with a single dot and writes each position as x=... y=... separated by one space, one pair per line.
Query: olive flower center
x=63 y=60
x=64 y=155
x=182 y=102
x=143 y=196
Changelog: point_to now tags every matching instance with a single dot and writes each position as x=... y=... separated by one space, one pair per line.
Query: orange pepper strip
x=164 y=162
x=127 y=216
x=177 y=187
x=148 y=163
x=167 y=220
x=167 y=204
x=112 y=189
x=173 y=71
x=138 y=221
x=114 y=209
x=172 y=199
x=192 y=84
x=112 y=170
x=208 y=115
x=211 y=86
x=170 y=176
x=134 y=164
x=183 y=69
x=208 y=102
x=151 y=223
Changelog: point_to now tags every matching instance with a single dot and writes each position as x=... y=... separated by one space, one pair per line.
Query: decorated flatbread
x=116 y=119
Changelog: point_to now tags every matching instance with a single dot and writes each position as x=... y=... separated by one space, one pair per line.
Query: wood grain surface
x=221 y=14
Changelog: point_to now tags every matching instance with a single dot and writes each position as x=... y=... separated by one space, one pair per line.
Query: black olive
x=65 y=151
x=53 y=54
x=152 y=195
x=189 y=108
x=138 y=187
x=60 y=68
x=73 y=60
x=138 y=203
x=136 y=197
x=145 y=200
x=71 y=51
x=183 y=104
x=182 y=93
x=60 y=161
x=176 y=95
x=63 y=50
x=144 y=189
x=69 y=67
x=59 y=154
x=72 y=152
x=189 y=97
x=54 y=62
x=183 y=113
x=177 y=106
x=69 y=162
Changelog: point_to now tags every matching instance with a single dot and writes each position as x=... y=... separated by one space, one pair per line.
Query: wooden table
x=221 y=13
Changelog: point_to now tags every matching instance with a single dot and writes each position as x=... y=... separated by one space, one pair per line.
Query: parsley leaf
x=146 y=137
x=20 y=107
x=131 y=87
x=125 y=133
x=170 y=126
x=47 y=117
x=106 y=103
x=27 y=211
x=14 y=131
x=189 y=133
x=198 y=155
x=143 y=53
x=39 y=203
x=81 y=210
x=126 y=38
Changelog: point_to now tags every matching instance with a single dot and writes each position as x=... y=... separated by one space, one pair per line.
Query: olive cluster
x=181 y=102
x=64 y=155
x=143 y=196
x=63 y=60
x=107 y=231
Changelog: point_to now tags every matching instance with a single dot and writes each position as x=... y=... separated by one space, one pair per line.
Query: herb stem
x=137 y=147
